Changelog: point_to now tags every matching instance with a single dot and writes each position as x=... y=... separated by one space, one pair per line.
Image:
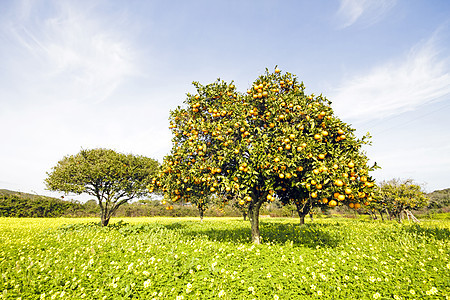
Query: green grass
x=183 y=258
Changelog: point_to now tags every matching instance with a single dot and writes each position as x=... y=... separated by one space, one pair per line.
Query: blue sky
x=86 y=74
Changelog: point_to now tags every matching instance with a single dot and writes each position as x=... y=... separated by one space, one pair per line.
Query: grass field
x=182 y=258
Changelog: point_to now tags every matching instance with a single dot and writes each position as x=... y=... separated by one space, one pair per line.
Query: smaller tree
x=397 y=197
x=112 y=178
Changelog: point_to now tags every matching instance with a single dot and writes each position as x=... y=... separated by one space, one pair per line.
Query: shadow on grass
x=432 y=232
x=308 y=235
x=238 y=232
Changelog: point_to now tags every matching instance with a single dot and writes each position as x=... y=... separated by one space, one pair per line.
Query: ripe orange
x=351 y=165
x=324 y=200
x=357 y=205
x=321 y=156
x=332 y=203
x=313 y=195
x=341 y=197
x=338 y=182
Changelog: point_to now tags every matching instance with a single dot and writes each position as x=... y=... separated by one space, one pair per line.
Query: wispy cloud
x=369 y=11
x=60 y=46
x=422 y=77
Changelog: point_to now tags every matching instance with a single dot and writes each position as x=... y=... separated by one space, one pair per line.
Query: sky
x=82 y=74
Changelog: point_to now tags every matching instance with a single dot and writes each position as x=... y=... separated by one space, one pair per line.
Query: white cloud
x=368 y=11
x=422 y=77
x=67 y=53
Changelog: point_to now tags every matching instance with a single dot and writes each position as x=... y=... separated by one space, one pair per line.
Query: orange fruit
x=338 y=182
x=332 y=203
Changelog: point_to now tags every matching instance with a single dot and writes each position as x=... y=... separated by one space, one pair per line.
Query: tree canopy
x=112 y=178
x=398 y=196
x=274 y=141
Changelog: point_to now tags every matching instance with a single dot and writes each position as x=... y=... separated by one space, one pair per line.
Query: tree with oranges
x=399 y=196
x=274 y=141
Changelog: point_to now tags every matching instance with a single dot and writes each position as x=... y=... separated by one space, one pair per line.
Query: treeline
x=15 y=204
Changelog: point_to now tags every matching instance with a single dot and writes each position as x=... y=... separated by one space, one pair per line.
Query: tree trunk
x=244 y=214
x=374 y=215
x=302 y=219
x=253 y=212
x=311 y=216
x=105 y=219
x=201 y=213
x=399 y=216
x=303 y=209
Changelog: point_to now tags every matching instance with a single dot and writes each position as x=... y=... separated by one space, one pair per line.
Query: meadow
x=183 y=258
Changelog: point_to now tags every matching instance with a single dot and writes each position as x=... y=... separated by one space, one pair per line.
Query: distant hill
x=439 y=198
x=18 y=204
x=21 y=194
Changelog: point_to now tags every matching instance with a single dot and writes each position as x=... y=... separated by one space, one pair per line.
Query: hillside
x=439 y=198
x=18 y=204
x=22 y=195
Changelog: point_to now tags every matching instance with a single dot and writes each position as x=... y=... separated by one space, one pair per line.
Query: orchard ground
x=183 y=258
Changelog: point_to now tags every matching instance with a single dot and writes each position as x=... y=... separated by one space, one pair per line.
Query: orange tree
x=274 y=141
x=397 y=196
